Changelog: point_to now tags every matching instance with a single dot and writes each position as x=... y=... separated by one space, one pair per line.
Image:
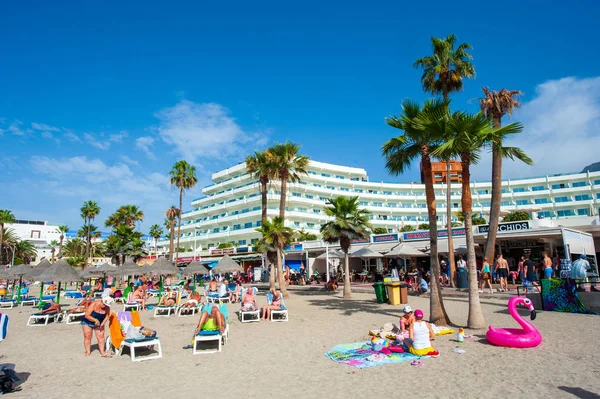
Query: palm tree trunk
x=87 y=243
x=62 y=237
x=490 y=244
x=280 y=277
x=271 y=268
x=172 y=239
x=156 y=249
x=263 y=198
x=347 y=288
x=1 y=239
x=437 y=311
x=475 y=318
x=179 y=224
x=282 y=198
x=452 y=266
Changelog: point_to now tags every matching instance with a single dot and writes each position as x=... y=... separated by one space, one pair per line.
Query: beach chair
x=252 y=315
x=39 y=319
x=282 y=314
x=73 y=317
x=8 y=303
x=130 y=305
x=166 y=311
x=212 y=335
x=116 y=340
x=189 y=311
x=31 y=301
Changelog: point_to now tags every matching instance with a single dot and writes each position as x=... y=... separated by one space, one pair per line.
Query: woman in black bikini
x=96 y=316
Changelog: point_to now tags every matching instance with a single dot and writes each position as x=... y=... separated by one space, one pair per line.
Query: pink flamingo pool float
x=526 y=337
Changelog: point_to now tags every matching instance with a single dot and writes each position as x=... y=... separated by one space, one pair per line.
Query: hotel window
x=421 y=206
x=377 y=204
x=505 y=203
x=455 y=205
x=309 y=196
x=598 y=196
x=583 y=212
x=364 y=203
x=561 y=199
x=354 y=178
x=248 y=225
x=482 y=192
x=296 y=195
x=258 y=223
x=542 y=201
x=411 y=218
x=582 y=197
x=296 y=224
x=323 y=199
x=523 y=202
x=519 y=190
x=310 y=172
x=596 y=181
x=316 y=185
x=242 y=242
x=316 y=211
x=344 y=189
x=237 y=226
x=505 y=191
x=392 y=204
x=387 y=193
x=216 y=230
x=358 y=190
x=486 y=204
x=253 y=240
x=579 y=184
x=557 y=186
x=330 y=187
x=339 y=177
x=538 y=188
x=310 y=225
x=545 y=214
x=245 y=210
x=566 y=212
x=302 y=210
x=256 y=208
x=325 y=175
x=234 y=213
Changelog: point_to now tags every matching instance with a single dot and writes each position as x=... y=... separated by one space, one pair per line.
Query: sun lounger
x=32 y=301
x=247 y=316
x=212 y=336
x=218 y=299
x=128 y=307
x=8 y=303
x=117 y=341
x=39 y=319
x=163 y=310
x=188 y=311
x=73 y=317
x=282 y=314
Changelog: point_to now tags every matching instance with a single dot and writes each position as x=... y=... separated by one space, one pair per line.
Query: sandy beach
x=287 y=359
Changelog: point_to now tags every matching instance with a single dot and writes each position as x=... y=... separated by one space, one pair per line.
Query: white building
x=39 y=233
x=230 y=210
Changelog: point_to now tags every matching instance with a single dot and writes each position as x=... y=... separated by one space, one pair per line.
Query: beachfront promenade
x=273 y=359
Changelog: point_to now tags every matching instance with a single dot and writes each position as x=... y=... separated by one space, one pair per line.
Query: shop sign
x=506 y=227
x=242 y=250
x=520 y=244
x=363 y=241
x=424 y=235
x=385 y=238
x=222 y=251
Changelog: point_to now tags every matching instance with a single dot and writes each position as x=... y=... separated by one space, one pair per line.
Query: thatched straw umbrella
x=162 y=267
x=227 y=265
x=60 y=271
x=196 y=268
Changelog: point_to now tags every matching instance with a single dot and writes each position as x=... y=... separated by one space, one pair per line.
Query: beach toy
x=378 y=344
x=526 y=337
x=460 y=335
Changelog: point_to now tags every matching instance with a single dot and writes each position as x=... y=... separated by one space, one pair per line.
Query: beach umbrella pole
x=41 y=294
x=19 y=289
x=58 y=294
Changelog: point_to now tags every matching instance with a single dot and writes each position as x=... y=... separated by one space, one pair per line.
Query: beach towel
x=560 y=295
x=116 y=334
x=361 y=355
x=3 y=326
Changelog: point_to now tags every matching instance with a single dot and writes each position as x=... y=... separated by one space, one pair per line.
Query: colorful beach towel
x=560 y=295
x=3 y=326
x=360 y=355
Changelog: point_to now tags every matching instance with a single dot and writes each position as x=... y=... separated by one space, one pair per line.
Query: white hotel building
x=230 y=210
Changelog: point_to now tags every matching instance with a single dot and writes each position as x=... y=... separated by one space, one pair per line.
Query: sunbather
x=249 y=301
x=237 y=292
x=95 y=318
x=212 y=321
x=223 y=293
x=212 y=288
x=169 y=299
x=193 y=301
x=265 y=311
x=50 y=308
x=138 y=297
x=188 y=286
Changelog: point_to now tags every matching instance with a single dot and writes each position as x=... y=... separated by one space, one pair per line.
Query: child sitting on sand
x=421 y=334
x=407 y=318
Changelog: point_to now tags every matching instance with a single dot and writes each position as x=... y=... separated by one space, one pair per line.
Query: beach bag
x=133 y=333
x=7 y=382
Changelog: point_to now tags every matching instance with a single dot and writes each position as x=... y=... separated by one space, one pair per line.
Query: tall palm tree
x=53 y=245
x=443 y=73
x=6 y=217
x=9 y=240
x=466 y=134
x=62 y=229
x=496 y=104
x=276 y=235
x=155 y=232
x=417 y=143
x=74 y=247
x=349 y=223
x=89 y=211
x=290 y=167
x=261 y=166
x=25 y=250
x=172 y=214
x=126 y=215
x=183 y=176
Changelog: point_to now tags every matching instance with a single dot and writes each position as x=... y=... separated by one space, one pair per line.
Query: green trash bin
x=380 y=293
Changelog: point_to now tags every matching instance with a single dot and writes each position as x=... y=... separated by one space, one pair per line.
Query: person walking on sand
x=530 y=273
x=502 y=272
x=547 y=262
x=485 y=276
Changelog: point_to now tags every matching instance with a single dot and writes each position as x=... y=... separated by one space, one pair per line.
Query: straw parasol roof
x=17 y=271
x=196 y=268
x=129 y=268
x=60 y=271
x=333 y=253
x=366 y=253
x=162 y=267
x=405 y=250
x=40 y=268
x=227 y=265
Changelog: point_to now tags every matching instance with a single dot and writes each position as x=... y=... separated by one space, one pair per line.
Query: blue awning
x=292 y=264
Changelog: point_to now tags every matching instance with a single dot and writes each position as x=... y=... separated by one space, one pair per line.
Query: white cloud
x=72 y=136
x=90 y=170
x=15 y=128
x=118 y=138
x=203 y=131
x=101 y=144
x=144 y=143
x=44 y=127
x=129 y=161
x=562 y=130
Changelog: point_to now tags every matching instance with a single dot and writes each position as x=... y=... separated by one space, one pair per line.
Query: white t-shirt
x=461 y=263
x=420 y=335
x=222 y=290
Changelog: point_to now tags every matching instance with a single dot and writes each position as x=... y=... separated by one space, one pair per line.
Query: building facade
x=40 y=233
x=230 y=210
x=439 y=172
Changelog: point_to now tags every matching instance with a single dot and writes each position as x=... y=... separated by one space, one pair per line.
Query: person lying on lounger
x=193 y=301
x=169 y=299
x=275 y=305
x=249 y=301
x=50 y=308
x=212 y=321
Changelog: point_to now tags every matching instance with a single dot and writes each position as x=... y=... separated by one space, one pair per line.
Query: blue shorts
x=547 y=272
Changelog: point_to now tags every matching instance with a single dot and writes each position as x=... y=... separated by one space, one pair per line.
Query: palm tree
x=9 y=240
x=183 y=176
x=62 y=229
x=418 y=143
x=53 y=245
x=89 y=211
x=261 y=166
x=275 y=235
x=496 y=104
x=74 y=247
x=25 y=250
x=289 y=166
x=443 y=73
x=172 y=214
x=126 y=215
x=466 y=134
x=349 y=223
x=6 y=217
x=155 y=232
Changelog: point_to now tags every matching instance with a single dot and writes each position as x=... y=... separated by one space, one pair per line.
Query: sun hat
x=107 y=300
x=407 y=309
x=419 y=314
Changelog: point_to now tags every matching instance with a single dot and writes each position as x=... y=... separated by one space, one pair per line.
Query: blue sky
x=98 y=100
